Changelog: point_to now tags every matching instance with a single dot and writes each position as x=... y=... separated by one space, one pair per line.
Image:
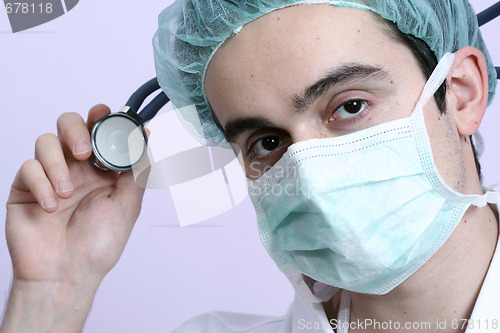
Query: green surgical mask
x=360 y=212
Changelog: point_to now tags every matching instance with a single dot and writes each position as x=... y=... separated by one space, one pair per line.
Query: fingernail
x=64 y=186
x=49 y=202
x=82 y=147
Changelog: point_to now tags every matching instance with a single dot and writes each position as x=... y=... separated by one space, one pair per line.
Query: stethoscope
x=119 y=142
x=486 y=16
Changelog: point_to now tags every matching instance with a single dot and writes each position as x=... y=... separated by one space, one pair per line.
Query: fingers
x=96 y=113
x=48 y=175
x=32 y=178
x=74 y=135
x=48 y=152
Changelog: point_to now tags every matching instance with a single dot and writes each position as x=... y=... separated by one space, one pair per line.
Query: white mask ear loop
x=437 y=78
x=344 y=314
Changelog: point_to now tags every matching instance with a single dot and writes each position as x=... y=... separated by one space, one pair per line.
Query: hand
x=68 y=222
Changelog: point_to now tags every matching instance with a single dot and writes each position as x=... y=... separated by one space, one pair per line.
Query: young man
x=361 y=181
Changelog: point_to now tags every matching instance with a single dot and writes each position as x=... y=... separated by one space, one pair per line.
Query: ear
x=468 y=89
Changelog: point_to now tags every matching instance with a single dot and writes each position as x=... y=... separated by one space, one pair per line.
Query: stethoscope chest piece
x=119 y=142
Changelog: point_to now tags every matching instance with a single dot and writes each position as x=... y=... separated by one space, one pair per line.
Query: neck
x=444 y=289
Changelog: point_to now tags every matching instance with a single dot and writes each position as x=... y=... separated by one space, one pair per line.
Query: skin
x=67 y=223
x=257 y=74
x=60 y=253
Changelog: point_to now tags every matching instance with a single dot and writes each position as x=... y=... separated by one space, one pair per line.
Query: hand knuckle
x=44 y=139
x=67 y=117
x=61 y=119
x=29 y=165
x=38 y=187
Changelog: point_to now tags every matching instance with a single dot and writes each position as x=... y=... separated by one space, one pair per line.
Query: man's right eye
x=264 y=146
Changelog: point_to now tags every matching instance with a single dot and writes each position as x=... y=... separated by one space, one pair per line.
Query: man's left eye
x=349 y=109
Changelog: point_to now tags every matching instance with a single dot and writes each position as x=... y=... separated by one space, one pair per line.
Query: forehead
x=281 y=52
x=305 y=23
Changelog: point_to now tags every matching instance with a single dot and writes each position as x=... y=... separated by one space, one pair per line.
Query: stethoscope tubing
x=137 y=98
x=486 y=16
x=135 y=101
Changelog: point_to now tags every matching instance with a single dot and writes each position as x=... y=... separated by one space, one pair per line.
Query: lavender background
x=100 y=52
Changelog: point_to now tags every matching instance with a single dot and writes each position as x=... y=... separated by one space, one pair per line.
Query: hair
x=427 y=61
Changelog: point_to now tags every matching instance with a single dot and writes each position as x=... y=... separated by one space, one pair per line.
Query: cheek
x=446 y=147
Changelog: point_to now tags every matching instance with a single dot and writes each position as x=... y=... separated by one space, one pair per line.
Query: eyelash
x=365 y=104
x=253 y=156
x=355 y=117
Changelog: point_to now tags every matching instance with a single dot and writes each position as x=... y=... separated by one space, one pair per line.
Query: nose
x=305 y=130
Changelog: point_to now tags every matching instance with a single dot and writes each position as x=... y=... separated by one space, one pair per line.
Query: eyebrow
x=345 y=74
x=342 y=75
x=236 y=127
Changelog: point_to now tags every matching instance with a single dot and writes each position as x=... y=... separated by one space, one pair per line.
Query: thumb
x=129 y=192
x=131 y=185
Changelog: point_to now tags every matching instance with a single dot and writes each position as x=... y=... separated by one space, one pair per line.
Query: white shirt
x=306 y=317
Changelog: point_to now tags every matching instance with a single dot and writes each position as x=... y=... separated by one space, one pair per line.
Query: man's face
x=313 y=71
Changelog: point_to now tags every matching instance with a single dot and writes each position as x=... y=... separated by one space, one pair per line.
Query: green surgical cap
x=191 y=31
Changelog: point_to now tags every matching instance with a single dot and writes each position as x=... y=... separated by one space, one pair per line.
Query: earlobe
x=468 y=89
